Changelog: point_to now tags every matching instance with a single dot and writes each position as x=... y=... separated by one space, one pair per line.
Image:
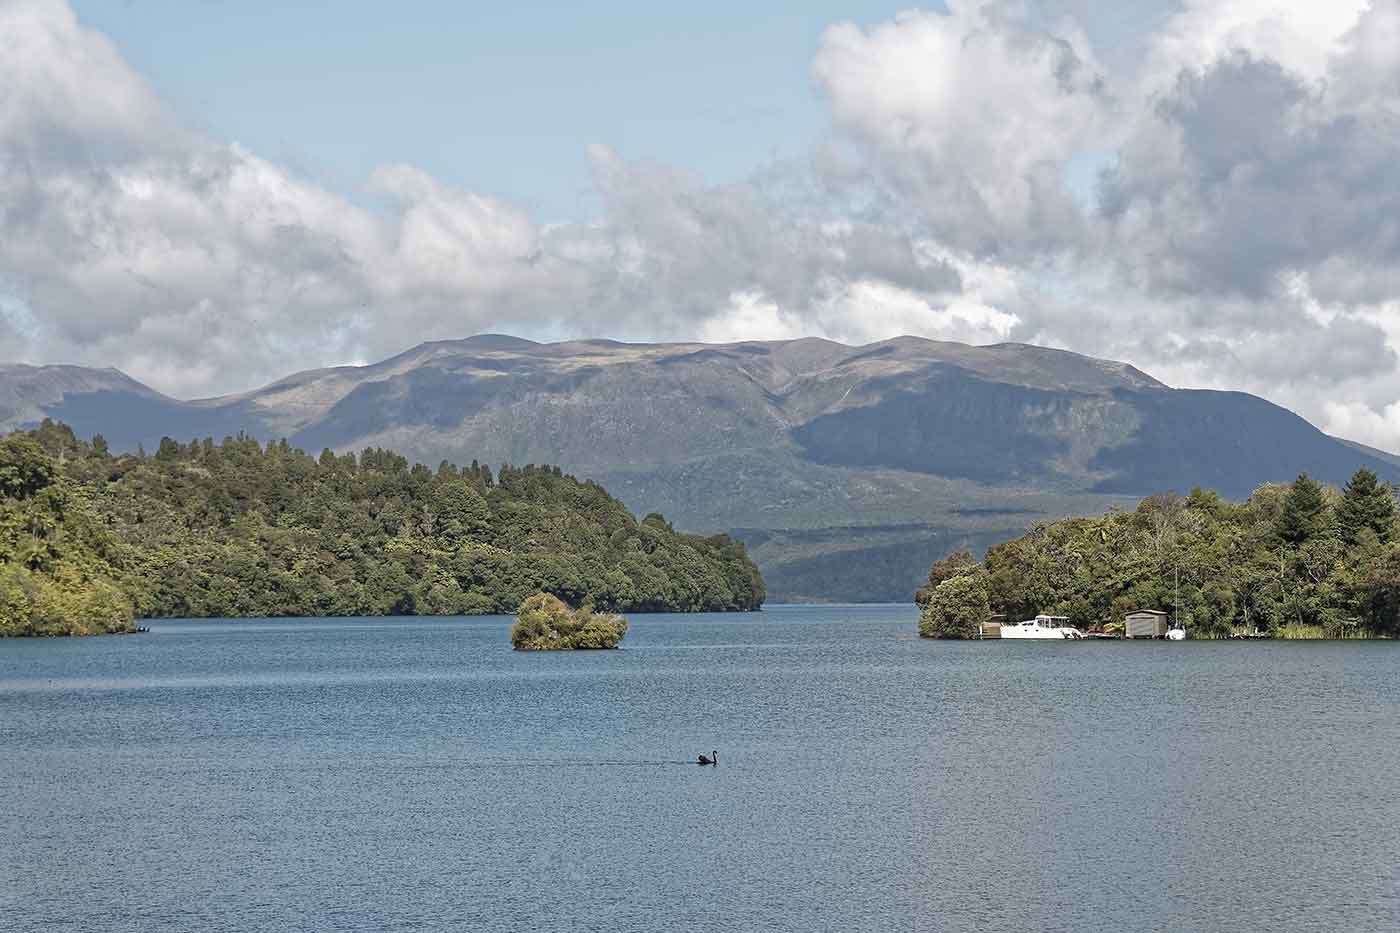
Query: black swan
x=711 y=759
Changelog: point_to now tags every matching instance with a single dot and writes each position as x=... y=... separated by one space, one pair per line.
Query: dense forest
x=241 y=529
x=61 y=570
x=1294 y=560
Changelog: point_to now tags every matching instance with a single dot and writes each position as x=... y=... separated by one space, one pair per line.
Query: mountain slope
x=847 y=469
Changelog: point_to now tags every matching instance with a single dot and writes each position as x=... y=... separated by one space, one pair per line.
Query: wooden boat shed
x=1146 y=623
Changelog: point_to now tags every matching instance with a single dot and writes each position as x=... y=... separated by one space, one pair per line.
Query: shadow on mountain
x=957 y=426
x=1226 y=441
x=888 y=572
x=127 y=419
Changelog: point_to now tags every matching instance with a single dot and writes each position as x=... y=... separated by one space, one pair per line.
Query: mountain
x=846 y=469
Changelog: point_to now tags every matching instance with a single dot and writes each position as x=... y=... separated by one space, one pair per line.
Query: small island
x=546 y=623
x=1295 y=560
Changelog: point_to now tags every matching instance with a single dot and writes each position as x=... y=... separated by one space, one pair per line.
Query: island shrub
x=546 y=623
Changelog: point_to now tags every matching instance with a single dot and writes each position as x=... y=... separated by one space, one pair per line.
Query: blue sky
x=500 y=98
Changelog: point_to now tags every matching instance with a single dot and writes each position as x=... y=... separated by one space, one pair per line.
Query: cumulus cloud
x=1254 y=201
x=132 y=240
x=1299 y=36
x=682 y=251
x=1378 y=426
x=1244 y=173
x=971 y=116
x=1242 y=231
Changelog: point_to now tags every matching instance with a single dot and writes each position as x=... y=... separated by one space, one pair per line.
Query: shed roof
x=1150 y=612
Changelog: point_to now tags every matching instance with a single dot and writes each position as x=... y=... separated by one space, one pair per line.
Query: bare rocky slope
x=847 y=469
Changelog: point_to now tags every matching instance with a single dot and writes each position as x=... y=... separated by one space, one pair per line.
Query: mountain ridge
x=956 y=444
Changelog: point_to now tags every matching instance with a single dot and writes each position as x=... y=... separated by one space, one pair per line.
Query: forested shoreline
x=1294 y=560
x=90 y=540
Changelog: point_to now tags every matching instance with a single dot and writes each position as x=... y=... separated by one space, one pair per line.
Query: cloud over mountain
x=131 y=239
x=970 y=117
x=1215 y=204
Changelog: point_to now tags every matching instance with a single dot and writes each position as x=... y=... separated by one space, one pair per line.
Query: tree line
x=242 y=529
x=1295 y=559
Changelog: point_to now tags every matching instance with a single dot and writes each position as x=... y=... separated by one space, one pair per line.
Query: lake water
x=416 y=774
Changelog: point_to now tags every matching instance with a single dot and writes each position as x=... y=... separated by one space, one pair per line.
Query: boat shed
x=1145 y=623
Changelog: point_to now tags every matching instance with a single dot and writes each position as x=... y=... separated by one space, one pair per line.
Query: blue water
x=416 y=774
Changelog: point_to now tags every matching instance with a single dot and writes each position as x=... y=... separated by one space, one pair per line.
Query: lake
x=417 y=774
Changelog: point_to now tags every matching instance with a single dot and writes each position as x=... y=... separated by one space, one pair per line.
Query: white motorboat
x=1056 y=627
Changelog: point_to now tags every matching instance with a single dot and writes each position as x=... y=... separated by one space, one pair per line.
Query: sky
x=501 y=99
x=210 y=195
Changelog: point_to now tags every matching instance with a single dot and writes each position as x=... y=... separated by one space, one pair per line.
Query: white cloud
x=1360 y=422
x=871 y=311
x=1244 y=234
x=751 y=316
x=1300 y=36
x=972 y=116
x=200 y=267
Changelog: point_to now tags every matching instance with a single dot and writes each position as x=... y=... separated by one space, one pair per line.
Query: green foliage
x=1295 y=631
x=64 y=604
x=242 y=529
x=955 y=564
x=58 y=567
x=1296 y=558
x=1304 y=513
x=24 y=467
x=956 y=607
x=546 y=623
x=1366 y=506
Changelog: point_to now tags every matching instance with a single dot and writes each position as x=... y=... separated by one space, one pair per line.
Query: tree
x=1304 y=512
x=461 y=512
x=1378 y=592
x=24 y=467
x=957 y=607
x=1366 y=504
x=955 y=564
x=57 y=571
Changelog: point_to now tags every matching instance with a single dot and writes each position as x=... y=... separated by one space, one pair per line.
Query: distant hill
x=846 y=469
